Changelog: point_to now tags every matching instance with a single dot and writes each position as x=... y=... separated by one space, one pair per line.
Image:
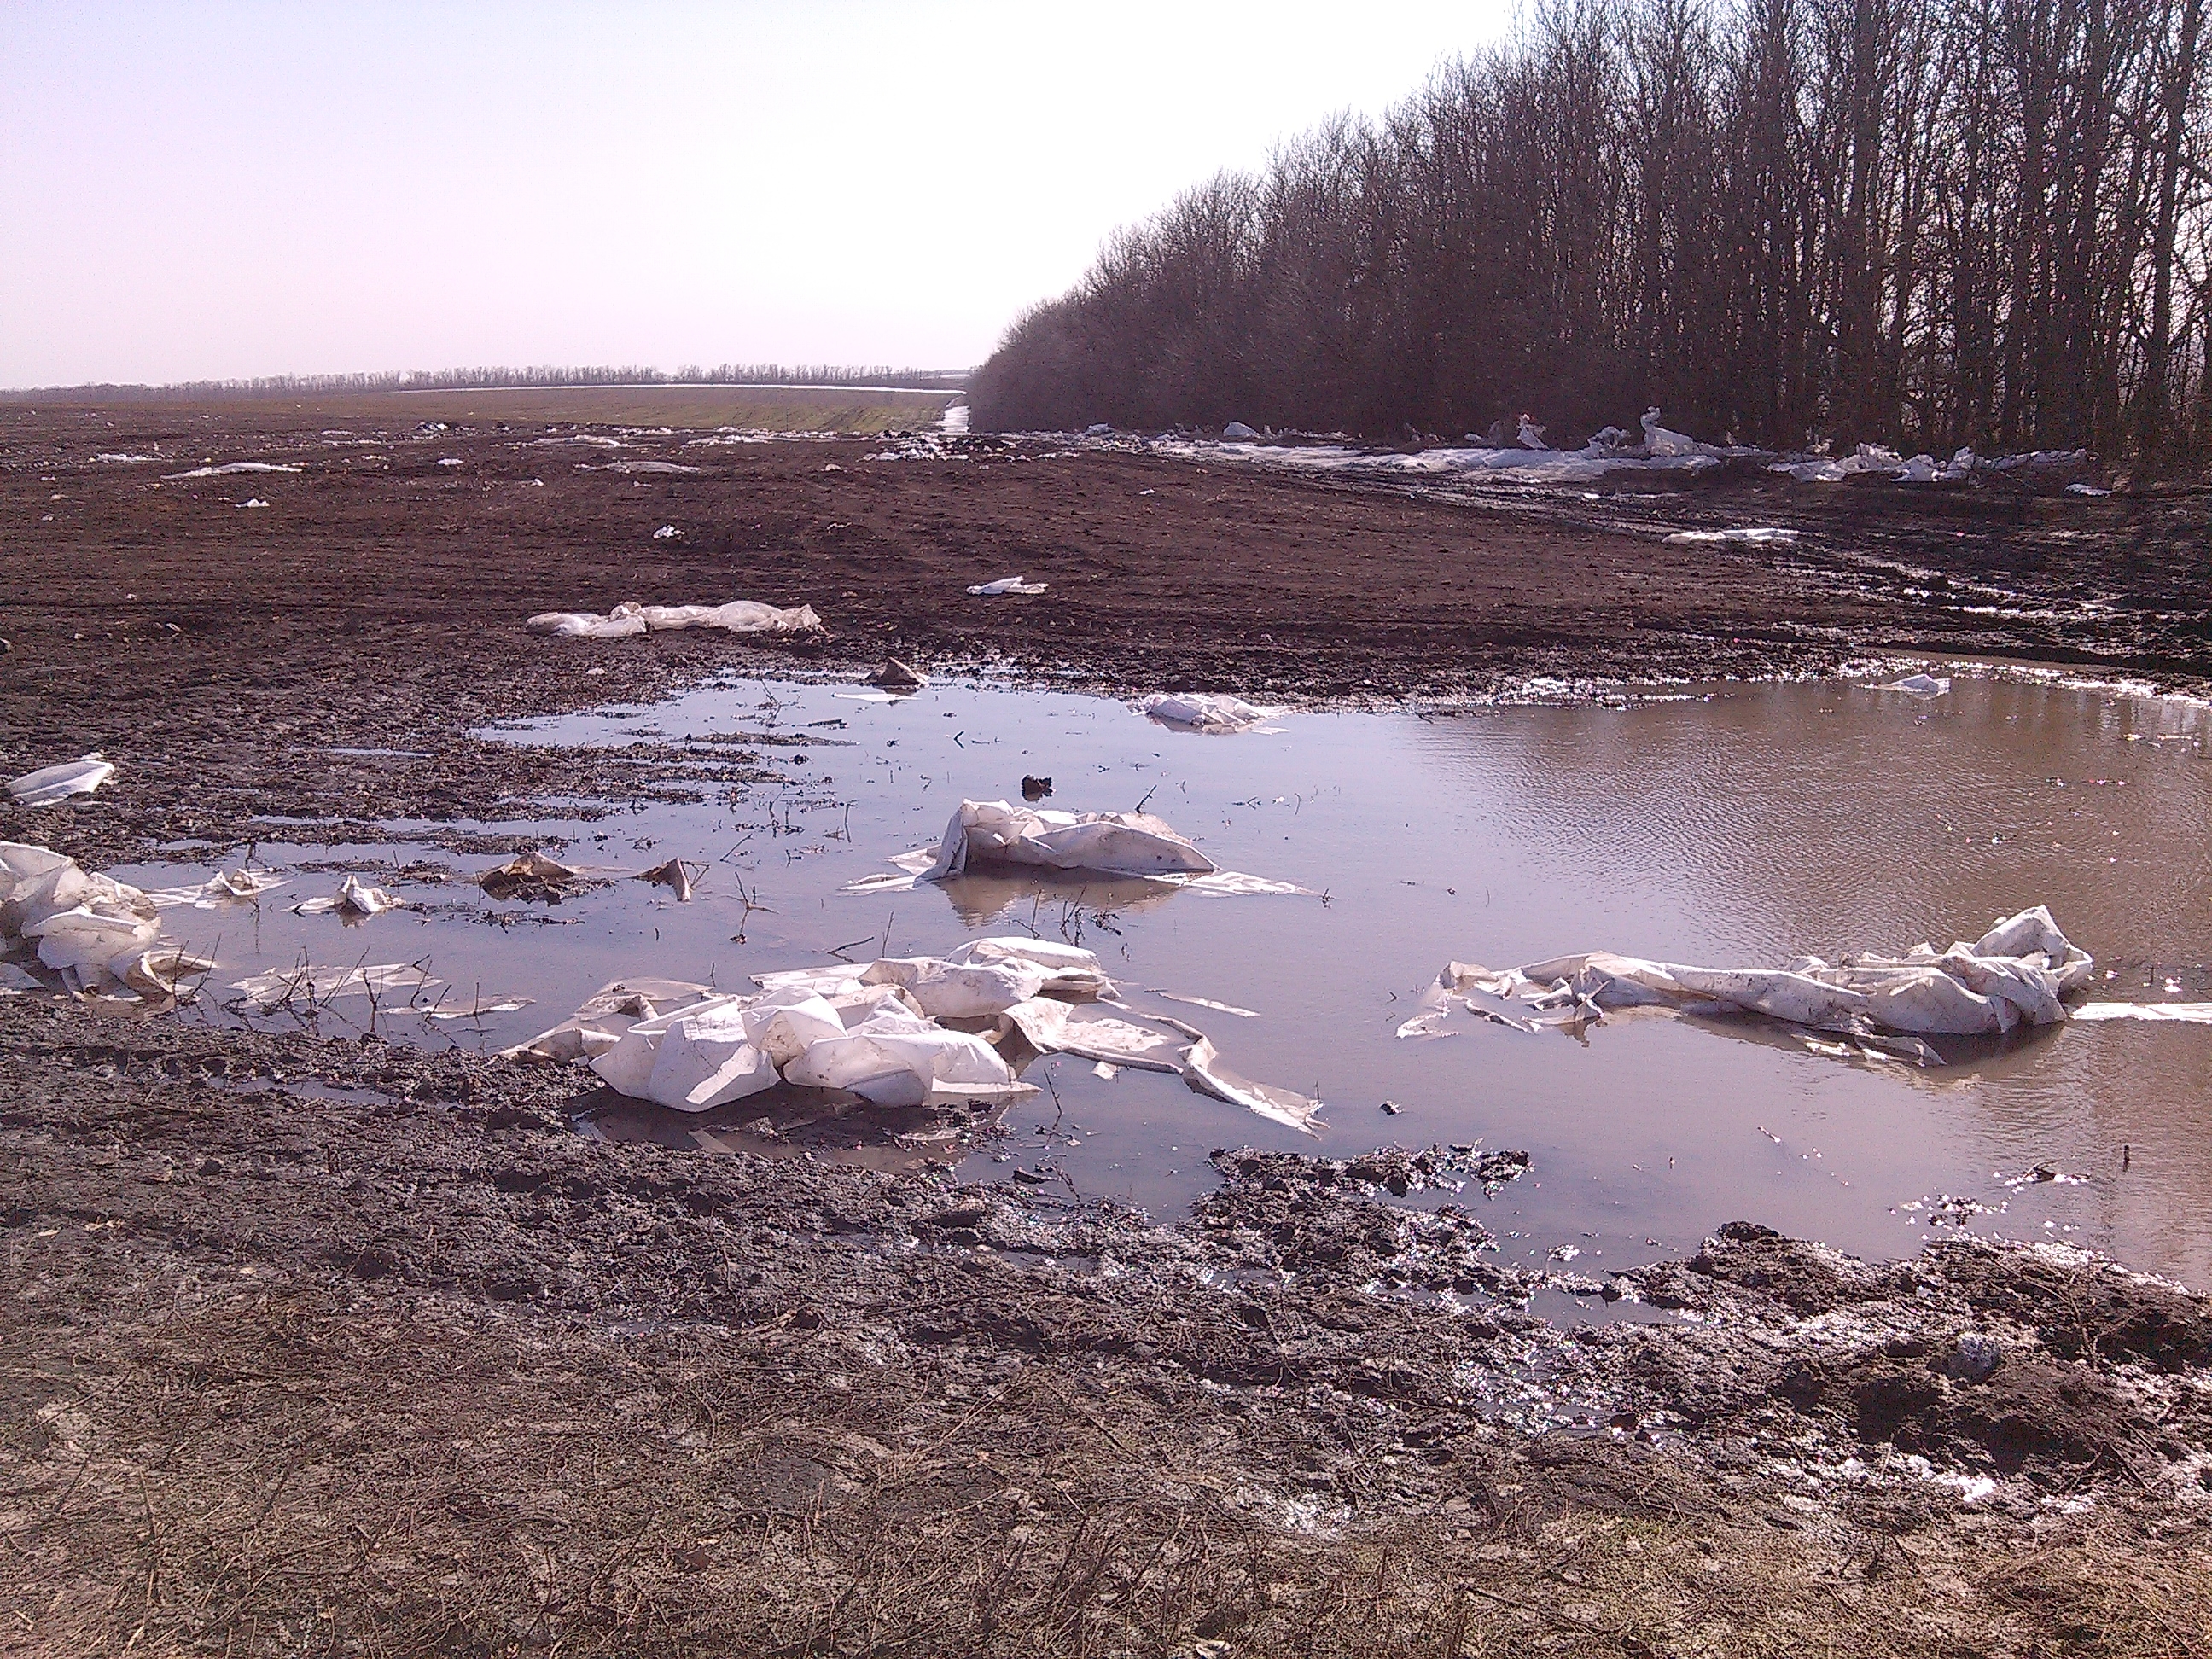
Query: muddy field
x=325 y=1346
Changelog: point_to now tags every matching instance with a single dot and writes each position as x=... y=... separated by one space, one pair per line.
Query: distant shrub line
x=1921 y=222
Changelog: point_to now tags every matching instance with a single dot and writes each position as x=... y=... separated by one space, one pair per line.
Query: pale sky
x=212 y=191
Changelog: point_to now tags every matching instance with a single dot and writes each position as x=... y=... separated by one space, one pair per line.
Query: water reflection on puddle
x=1747 y=826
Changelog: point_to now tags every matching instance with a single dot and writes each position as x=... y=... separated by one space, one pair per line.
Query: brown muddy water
x=1732 y=825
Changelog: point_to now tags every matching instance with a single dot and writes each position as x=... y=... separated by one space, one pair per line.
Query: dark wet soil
x=339 y=1347
x=220 y=652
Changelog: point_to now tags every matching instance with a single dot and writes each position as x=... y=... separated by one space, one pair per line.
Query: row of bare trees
x=475 y=380
x=1924 y=223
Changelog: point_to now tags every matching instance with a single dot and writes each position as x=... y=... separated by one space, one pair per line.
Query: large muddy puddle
x=1733 y=825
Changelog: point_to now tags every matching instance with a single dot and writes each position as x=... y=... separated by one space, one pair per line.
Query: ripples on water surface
x=1745 y=826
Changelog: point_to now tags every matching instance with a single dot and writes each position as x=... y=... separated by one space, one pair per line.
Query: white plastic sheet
x=309 y=984
x=1921 y=685
x=2014 y=975
x=630 y=618
x=93 y=933
x=1751 y=536
x=1007 y=585
x=353 y=899
x=227 y=887
x=1200 y=711
x=898 y=1032
x=50 y=784
x=1112 y=844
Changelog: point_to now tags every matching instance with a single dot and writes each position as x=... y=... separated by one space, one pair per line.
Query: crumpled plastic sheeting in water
x=996 y=833
x=1200 y=711
x=51 y=784
x=96 y=934
x=1921 y=685
x=1112 y=843
x=630 y=618
x=2014 y=975
x=227 y=887
x=305 y=987
x=353 y=899
x=2169 y=1013
x=879 y=1030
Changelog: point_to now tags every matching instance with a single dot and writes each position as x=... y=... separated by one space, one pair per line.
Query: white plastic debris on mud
x=1200 y=711
x=659 y=467
x=998 y=834
x=1236 y=431
x=96 y=934
x=230 y=468
x=2014 y=975
x=901 y=1031
x=1006 y=585
x=1752 y=536
x=353 y=900
x=630 y=618
x=50 y=784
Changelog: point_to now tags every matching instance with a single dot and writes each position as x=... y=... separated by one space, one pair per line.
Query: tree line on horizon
x=502 y=379
x=1928 y=223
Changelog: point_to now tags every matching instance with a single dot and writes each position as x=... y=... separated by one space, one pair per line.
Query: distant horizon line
x=767 y=377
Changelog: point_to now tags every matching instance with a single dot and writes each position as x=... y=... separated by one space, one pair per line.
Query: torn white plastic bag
x=50 y=784
x=1200 y=711
x=354 y=899
x=1007 y=585
x=2014 y=975
x=630 y=619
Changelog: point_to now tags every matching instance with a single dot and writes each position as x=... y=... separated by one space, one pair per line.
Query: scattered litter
x=96 y=934
x=1008 y=585
x=1034 y=789
x=1756 y=536
x=1200 y=711
x=1235 y=429
x=530 y=876
x=304 y=986
x=353 y=902
x=898 y=675
x=1921 y=685
x=630 y=618
x=50 y=784
x=672 y=875
x=2078 y=489
x=668 y=533
x=2014 y=975
x=253 y=501
x=653 y=467
x=228 y=468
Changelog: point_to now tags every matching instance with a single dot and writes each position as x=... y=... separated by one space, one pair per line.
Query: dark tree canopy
x=1921 y=222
